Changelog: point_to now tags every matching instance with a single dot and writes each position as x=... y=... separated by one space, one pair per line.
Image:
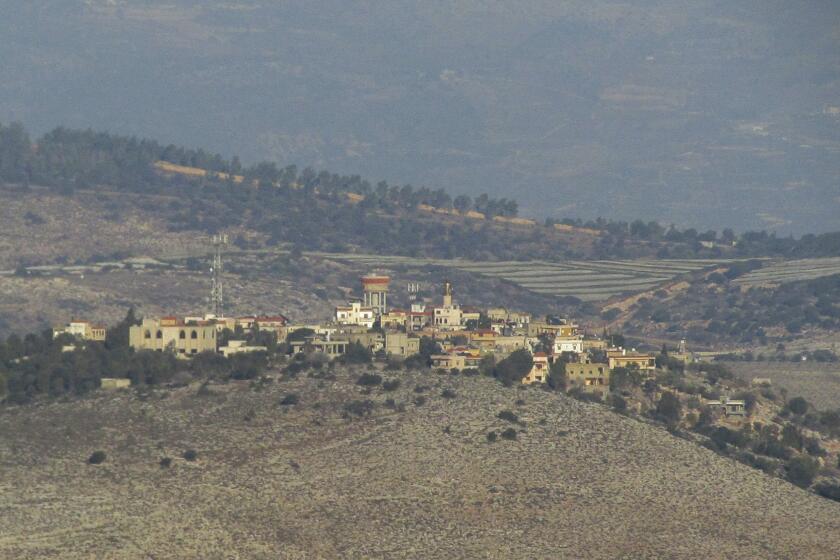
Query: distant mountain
x=703 y=113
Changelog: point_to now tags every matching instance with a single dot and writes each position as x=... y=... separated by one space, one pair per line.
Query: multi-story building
x=84 y=330
x=588 y=377
x=572 y=343
x=355 y=314
x=331 y=347
x=375 y=292
x=447 y=316
x=401 y=344
x=171 y=334
x=539 y=371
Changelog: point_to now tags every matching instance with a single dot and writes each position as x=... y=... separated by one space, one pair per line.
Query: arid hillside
x=408 y=473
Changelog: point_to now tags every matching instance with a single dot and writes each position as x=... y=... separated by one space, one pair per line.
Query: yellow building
x=620 y=357
x=588 y=377
x=170 y=334
x=539 y=371
x=81 y=329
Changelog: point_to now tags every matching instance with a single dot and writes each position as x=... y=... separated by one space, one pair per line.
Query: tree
x=801 y=470
x=117 y=336
x=798 y=405
x=357 y=354
x=669 y=408
x=462 y=203
x=513 y=368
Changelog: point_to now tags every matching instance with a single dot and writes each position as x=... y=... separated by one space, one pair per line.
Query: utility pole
x=217 y=300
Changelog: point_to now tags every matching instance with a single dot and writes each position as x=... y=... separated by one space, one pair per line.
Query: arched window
x=182 y=335
x=159 y=334
x=193 y=334
x=147 y=334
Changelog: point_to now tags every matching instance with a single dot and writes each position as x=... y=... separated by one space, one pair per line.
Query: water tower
x=375 y=292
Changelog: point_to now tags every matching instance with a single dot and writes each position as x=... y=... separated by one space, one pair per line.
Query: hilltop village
x=441 y=335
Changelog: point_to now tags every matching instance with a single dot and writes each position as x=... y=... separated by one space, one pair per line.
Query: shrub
x=801 y=470
x=508 y=416
x=419 y=401
x=669 y=408
x=97 y=457
x=618 y=403
x=166 y=462
x=359 y=408
x=492 y=437
x=798 y=405
x=391 y=385
x=369 y=380
x=421 y=389
x=509 y=433
x=828 y=490
x=448 y=394
x=289 y=400
x=190 y=455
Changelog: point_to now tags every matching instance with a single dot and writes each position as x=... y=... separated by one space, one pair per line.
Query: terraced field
x=791 y=271
x=585 y=280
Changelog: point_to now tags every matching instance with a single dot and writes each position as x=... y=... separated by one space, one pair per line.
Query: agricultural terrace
x=791 y=271
x=585 y=280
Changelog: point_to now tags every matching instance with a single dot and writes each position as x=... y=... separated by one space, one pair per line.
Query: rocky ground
x=412 y=479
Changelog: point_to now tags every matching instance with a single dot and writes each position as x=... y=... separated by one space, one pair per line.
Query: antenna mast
x=216 y=290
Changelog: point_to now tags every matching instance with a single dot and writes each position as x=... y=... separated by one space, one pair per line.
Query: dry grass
x=303 y=482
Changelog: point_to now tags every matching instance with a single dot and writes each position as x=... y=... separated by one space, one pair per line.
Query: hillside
x=407 y=479
x=703 y=113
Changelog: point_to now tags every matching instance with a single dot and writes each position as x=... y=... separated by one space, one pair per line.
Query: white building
x=568 y=344
x=355 y=314
x=239 y=347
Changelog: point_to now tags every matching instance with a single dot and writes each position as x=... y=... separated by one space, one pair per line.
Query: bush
x=369 y=380
x=509 y=434
x=190 y=455
x=828 y=490
x=618 y=402
x=97 y=458
x=391 y=385
x=802 y=470
x=798 y=405
x=448 y=394
x=508 y=416
x=419 y=401
x=492 y=437
x=359 y=408
x=166 y=462
x=669 y=408
x=289 y=400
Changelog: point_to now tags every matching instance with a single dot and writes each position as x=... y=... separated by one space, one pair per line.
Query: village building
x=402 y=344
x=458 y=358
x=84 y=330
x=449 y=315
x=330 y=347
x=114 y=383
x=553 y=328
x=539 y=370
x=620 y=357
x=572 y=343
x=239 y=347
x=355 y=314
x=729 y=407
x=375 y=292
x=394 y=319
x=171 y=334
x=588 y=377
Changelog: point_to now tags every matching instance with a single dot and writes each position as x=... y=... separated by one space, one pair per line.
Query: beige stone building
x=621 y=357
x=401 y=344
x=588 y=377
x=539 y=371
x=171 y=334
x=84 y=330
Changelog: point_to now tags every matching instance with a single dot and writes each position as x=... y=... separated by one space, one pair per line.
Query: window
x=182 y=335
x=193 y=335
x=159 y=334
x=194 y=351
x=147 y=334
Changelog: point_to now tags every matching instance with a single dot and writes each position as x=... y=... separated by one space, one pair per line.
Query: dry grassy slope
x=301 y=482
x=83 y=225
